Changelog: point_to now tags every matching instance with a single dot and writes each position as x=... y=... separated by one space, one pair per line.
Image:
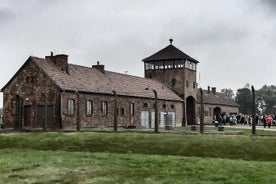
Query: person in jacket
x=269 y=120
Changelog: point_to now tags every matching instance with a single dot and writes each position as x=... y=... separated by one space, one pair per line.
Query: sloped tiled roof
x=216 y=99
x=169 y=52
x=85 y=79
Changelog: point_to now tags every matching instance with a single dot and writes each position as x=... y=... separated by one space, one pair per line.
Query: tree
x=243 y=98
x=266 y=99
x=228 y=92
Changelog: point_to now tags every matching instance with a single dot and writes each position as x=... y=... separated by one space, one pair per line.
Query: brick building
x=50 y=93
x=215 y=103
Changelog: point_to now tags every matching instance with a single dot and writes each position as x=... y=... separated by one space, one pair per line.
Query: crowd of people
x=233 y=119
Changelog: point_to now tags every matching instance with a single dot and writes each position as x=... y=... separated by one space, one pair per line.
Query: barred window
x=104 y=108
x=71 y=107
x=132 y=109
x=89 y=107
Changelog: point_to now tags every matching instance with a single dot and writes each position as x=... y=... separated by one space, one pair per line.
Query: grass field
x=136 y=158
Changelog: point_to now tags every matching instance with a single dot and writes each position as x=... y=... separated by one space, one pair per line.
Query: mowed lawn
x=136 y=158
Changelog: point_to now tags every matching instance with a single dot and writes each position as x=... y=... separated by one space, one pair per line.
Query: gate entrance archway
x=190 y=110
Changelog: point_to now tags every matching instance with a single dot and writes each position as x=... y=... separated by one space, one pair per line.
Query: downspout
x=61 y=102
x=78 y=111
x=45 y=112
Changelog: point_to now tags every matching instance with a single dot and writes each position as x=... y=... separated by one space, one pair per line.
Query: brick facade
x=32 y=99
x=30 y=88
x=52 y=94
x=125 y=118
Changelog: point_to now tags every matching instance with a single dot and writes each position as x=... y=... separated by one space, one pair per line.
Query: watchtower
x=178 y=70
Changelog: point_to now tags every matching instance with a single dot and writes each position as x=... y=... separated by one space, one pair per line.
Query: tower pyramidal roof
x=169 y=53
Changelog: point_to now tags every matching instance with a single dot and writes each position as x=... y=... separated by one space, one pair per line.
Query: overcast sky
x=234 y=40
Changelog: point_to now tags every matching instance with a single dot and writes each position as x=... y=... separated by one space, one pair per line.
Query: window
x=104 y=108
x=146 y=105
x=179 y=64
x=187 y=83
x=169 y=64
x=159 y=65
x=89 y=107
x=149 y=66
x=190 y=65
x=71 y=107
x=122 y=111
x=132 y=109
x=27 y=79
x=194 y=85
x=172 y=106
x=164 y=106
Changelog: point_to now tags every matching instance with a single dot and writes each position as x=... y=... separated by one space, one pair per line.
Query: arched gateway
x=190 y=110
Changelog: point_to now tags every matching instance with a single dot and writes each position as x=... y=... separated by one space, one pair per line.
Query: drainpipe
x=61 y=102
x=156 y=110
x=78 y=111
x=45 y=112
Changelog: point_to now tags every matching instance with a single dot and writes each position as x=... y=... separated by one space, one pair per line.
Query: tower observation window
x=179 y=63
x=149 y=66
x=169 y=64
x=159 y=65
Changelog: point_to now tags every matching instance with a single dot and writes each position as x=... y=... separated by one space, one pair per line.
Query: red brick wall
x=30 y=84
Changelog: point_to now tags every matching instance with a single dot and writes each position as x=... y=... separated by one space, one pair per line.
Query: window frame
x=132 y=109
x=89 y=107
x=71 y=107
x=104 y=108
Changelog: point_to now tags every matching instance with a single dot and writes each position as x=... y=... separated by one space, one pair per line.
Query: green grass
x=136 y=158
x=31 y=166
x=242 y=130
x=232 y=147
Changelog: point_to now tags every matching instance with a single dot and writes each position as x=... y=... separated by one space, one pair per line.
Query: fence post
x=253 y=111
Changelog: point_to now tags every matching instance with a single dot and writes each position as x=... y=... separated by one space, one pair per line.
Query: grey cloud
x=6 y=15
x=269 y=3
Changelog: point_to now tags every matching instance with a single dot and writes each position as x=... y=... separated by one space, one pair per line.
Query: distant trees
x=243 y=98
x=228 y=92
x=266 y=99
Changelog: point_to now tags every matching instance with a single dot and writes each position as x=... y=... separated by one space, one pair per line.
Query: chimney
x=208 y=89
x=99 y=67
x=214 y=90
x=61 y=60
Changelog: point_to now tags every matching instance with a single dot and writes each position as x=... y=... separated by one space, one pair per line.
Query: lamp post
x=156 y=110
x=115 y=111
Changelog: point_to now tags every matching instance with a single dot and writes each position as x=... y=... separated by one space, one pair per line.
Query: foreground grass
x=244 y=130
x=32 y=166
x=217 y=146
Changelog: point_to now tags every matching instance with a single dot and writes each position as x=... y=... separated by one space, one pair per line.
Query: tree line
x=265 y=99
